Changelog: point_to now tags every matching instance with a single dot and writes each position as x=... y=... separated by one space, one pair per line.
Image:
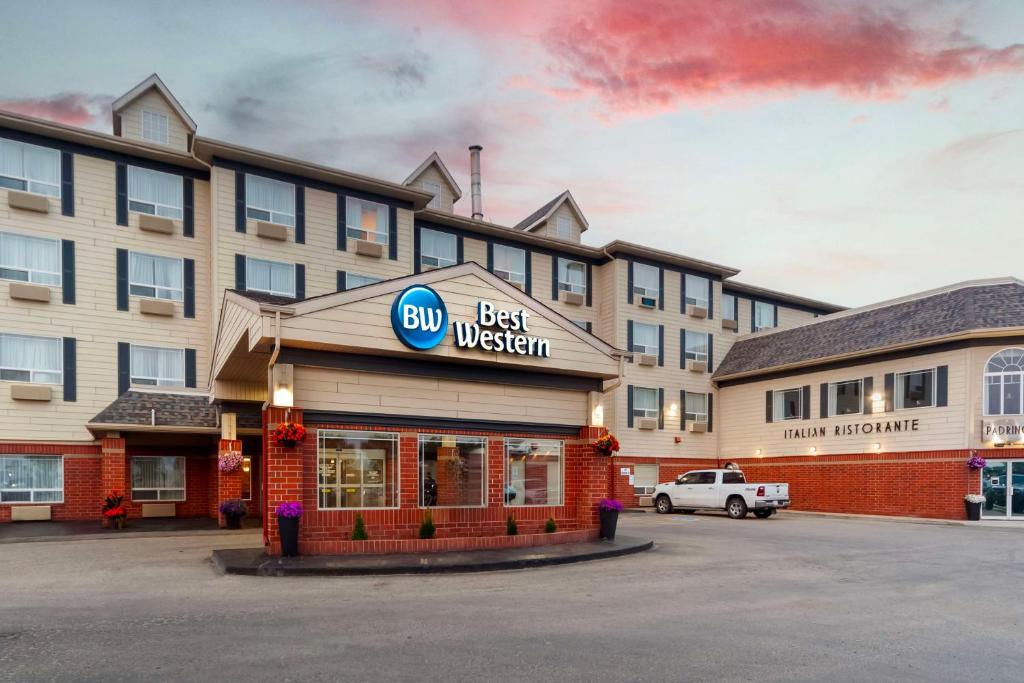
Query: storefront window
x=357 y=469
x=452 y=471
x=533 y=472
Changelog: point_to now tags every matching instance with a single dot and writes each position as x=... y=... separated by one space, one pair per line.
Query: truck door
x=705 y=490
x=683 y=493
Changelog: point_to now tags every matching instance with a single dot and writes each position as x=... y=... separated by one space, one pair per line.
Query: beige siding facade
x=431 y=175
x=153 y=101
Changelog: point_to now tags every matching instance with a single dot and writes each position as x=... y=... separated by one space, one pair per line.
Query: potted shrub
x=234 y=510
x=288 y=516
x=511 y=528
x=973 y=503
x=359 y=530
x=550 y=527
x=288 y=434
x=609 y=509
x=606 y=445
x=114 y=511
x=427 y=529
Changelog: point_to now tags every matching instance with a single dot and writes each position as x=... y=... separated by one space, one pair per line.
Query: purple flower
x=609 y=504
x=976 y=462
x=234 y=508
x=290 y=509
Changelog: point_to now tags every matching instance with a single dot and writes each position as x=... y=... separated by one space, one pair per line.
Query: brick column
x=284 y=473
x=113 y=472
x=229 y=484
x=595 y=477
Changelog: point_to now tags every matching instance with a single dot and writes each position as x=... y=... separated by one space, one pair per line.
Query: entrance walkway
x=23 y=532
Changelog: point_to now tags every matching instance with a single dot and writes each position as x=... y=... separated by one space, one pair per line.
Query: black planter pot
x=609 y=520
x=973 y=511
x=233 y=521
x=289 y=528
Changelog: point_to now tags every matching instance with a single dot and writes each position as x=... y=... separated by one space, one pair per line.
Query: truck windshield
x=733 y=478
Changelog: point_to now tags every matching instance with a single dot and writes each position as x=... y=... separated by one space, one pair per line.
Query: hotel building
x=169 y=299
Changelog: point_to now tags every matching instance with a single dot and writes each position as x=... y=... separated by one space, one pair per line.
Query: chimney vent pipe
x=474 y=182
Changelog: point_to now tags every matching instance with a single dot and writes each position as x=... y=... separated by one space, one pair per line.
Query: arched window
x=1004 y=378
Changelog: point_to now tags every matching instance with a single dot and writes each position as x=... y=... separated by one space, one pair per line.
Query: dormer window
x=154 y=127
x=434 y=189
x=155 y=193
x=269 y=200
x=563 y=227
x=29 y=168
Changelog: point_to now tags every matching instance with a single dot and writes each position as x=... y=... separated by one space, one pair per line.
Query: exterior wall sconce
x=757 y=452
x=814 y=449
x=284 y=385
x=877 y=403
x=876 y=446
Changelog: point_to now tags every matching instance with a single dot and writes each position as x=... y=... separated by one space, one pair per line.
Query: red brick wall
x=82 y=490
x=200 y=481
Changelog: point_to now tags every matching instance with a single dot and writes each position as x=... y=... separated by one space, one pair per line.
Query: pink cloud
x=73 y=109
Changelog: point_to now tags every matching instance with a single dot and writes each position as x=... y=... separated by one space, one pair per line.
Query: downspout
x=263 y=458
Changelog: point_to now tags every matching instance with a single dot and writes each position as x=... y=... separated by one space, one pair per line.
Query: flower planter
x=288 y=443
x=233 y=521
x=289 y=530
x=609 y=520
x=973 y=511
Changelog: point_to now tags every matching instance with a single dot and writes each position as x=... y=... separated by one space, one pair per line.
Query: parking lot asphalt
x=792 y=598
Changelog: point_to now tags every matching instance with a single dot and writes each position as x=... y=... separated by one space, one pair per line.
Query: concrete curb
x=112 y=536
x=986 y=524
x=254 y=562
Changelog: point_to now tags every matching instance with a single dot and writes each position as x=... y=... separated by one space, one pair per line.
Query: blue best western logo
x=419 y=318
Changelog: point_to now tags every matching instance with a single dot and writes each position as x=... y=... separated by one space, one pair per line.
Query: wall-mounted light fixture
x=876 y=446
x=814 y=449
x=284 y=385
x=757 y=452
x=877 y=403
x=672 y=408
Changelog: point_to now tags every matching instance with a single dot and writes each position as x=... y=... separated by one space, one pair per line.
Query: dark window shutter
x=711 y=312
x=661 y=408
x=590 y=280
x=67 y=183
x=190 y=288
x=490 y=256
x=240 y=272
x=823 y=402
x=70 y=369
x=529 y=272
x=711 y=412
x=190 y=368
x=342 y=234
x=393 y=235
x=460 y=252
x=775 y=316
x=942 y=386
x=124 y=367
x=629 y=281
x=806 y=402
x=867 y=390
x=67 y=274
x=188 y=223
x=300 y=215
x=629 y=338
x=629 y=405
x=682 y=410
x=682 y=349
x=890 y=390
x=341 y=281
x=682 y=293
x=416 y=250
x=711 y=352
x=121 y=187
x=661 y=289
x=753 y=305
x=122 y=279
x=554 y=278
x=768 y=406
x=239 y=201
x=590 y=327
x=300 y=281
x=661 y=345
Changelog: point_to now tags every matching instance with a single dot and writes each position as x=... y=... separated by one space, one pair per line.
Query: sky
x=841 y=150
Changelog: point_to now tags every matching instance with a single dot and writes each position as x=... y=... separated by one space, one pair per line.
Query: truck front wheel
x=663 y=505
x=736 y=507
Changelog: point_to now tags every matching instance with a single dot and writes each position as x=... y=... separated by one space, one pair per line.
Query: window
x=764 y=315
x=533 y=472
x=696 y=407
x=695 y=346
x=353 y=281
x=581 y=324
x=154 y=126
x=39 y=360
x=437 y=249
x=645 y=478
x=645 y=339
x=646 y=281
x=31 y=479
x=29 y=168
x=698 y=291
x=357 y=469
x=1004 y=377
x=367 y=221
x=845 y=398
x=733 y=477
x=269 y=200
x=30 y=259
x=915 y=389
x=155 y=277
x=572 y=276
x=157 y=367
x=729 y=308
x=510 y=264
x=563 y=227
x=271 y=277
x=645 y=402
x=453 y=471
x=155 y=193
x=434 y=189
x=246 y=478
x=787 y=405
x=697 y=478
x=158 y=478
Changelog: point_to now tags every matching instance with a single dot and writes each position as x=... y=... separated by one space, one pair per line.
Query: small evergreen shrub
x=550 y=527
x=427 y=527
x=359 y=530
x=511 y=528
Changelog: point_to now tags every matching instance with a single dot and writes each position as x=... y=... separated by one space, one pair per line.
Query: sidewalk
x=36 y=532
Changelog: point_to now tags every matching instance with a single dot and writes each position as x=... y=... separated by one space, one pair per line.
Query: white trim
x=799 y=404
x=165 y=129
x=177 y=211
x=28 y=271
x=158 y=499
x=897 y=398
x=272 y=216
x=372 y=435
x=694 y=355
x=32 y=371
x=646 y=412
x=564 y=286
x=382 y=235
x=30 y=181
x=1002 y=375
x=32 y=492
x=156 y=288
x=132 y=376
x=833 y=398
x=249 y=288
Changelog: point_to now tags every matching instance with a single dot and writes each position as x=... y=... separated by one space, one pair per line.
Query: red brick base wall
x=82 y=485
x=438 y=545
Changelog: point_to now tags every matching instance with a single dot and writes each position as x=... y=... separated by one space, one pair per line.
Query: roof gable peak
x=153 y=82
x=435 y=160
x=547 y=210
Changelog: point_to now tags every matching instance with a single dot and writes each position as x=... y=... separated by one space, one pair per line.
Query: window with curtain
x=646 y=280
x=698 y=291
x=533 y=472
x=1004 y=378
x=696 y=408
x=434 y=189
x=572 y=276
x=357 y=469
x=157 y=367
x=155 y=277
x=31 y=479
x=696 y=346
x=352 y=280
x=30 y=259
x=154 y=126
x=510 y=264
x=271 y=277
x=844 y=398
x=39 y=360
x=729 y=307
x=269 y=200
x=29 y=168
x=155 y=192
x=158 y=478
x=915 y=389
x=437 y=249
x=787 y=404
x=453 y=471
x=645 y=338
x=645 y=402
x=563 y=227
x=366 y=220
x=764 y=315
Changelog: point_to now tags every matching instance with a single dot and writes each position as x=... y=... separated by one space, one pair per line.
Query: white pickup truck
x=720 y=490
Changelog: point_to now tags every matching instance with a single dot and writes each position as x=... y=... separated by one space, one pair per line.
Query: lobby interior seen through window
x=452 y=470
x=533 y=472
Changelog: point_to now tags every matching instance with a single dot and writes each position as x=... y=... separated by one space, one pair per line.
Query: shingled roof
x=264 y=298
x=961 y=308
x=536 y=215
x=166 y=409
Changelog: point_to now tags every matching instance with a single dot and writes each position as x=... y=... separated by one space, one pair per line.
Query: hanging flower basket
x=606 y=445
x=976 y=462
x=288 y=434
x=230 y=462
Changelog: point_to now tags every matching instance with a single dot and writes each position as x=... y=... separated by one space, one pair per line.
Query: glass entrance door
x=1002 y=484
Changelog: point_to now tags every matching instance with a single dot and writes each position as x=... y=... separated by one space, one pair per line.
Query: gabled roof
x=435 y=160
x=969 y=309
x=152 y=82
x=545 y=212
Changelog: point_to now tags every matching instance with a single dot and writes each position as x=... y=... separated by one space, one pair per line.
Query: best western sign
x=420 y=321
